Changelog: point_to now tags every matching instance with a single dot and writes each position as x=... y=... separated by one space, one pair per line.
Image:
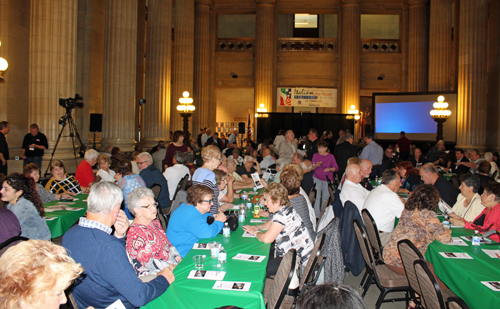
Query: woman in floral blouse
x=419 y=224
x=148 y=247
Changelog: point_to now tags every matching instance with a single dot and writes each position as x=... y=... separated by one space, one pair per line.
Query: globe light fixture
x=4 y=65
x=440 y=114
x=185 y=109
x=261 y=111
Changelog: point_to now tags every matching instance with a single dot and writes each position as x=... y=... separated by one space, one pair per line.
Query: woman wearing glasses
x=188 y=223
x=148 y=247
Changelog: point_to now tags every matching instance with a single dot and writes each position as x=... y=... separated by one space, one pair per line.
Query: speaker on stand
x=95 y=124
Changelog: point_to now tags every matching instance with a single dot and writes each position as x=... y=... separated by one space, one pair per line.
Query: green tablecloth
x=192 y=293
x=65 y=218
x=448 y=176
x=464 y=277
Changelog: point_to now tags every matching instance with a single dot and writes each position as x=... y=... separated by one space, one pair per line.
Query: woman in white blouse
x=104 y=171
x=468 y=205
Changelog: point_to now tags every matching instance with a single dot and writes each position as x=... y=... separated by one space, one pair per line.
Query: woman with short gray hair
x=84 y=173
x=468 y=205
x=148 y=247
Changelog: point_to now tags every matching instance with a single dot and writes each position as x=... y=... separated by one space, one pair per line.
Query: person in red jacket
x=489 y=218
x=84 y=173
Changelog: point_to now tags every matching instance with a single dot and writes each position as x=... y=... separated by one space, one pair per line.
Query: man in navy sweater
x=108 y=274
x=152 y=175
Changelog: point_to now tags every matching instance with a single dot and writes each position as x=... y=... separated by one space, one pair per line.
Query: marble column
x=492 y=127
x=264 y=53
x=183 y=58
x=52 y=68
x=417 y=46
x=119 y=94
x=472 y=74
x=158 y=72
x=440 y=45
x=351 y=53
x=202 y=54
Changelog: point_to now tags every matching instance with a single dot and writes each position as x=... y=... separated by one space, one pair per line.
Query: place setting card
x=457 y=241
x=492 y=253
x=456 y=255
x=494 y=285
x=249 y=257
x=198 y=246
x=207 y=274
x=232 y=286
x=50 y=218
x=482 y=241
x=246 y=234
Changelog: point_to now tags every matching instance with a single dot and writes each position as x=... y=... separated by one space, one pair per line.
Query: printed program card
x=258 y=220
x=492 y=253
x=494 y=285
x=198 y=246
x=246 y=234
x=116 y=305
x=50 y=218
x=232 y=286
x=457 y=241
x=249 y=257
x=456 y=255
x=256 y=180
x=483 y=240
x=207 y=274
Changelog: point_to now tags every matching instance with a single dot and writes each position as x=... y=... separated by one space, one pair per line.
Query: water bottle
x=379 y=180
x=446 y=221
x=222 y=257
x=242 y=215
x=226 y=231
x=476 y=239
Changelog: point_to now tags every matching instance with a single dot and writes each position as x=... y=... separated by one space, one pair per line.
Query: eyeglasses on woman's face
x=151 y=206
x=208 y=201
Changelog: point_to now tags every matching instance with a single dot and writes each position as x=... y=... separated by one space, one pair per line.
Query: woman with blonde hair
x=212 y=158
x=104 y=171
x=60 y=182
x=34 y=274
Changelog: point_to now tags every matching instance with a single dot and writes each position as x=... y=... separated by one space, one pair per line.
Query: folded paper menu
x=494 y=285
x=483 y=240
x=457 y=241
x=456 y=255
x=249 y=257
x=246 y=234
x=492 y=253
x=207 y=274
x=116 y=305
x=50 y=218
x=232 y=286
x=258 y=220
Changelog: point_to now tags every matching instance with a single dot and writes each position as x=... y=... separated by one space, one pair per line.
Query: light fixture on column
x=185 y=109
x=354 y=112
x=440 y=114
x=3 y=66
x=261 y=111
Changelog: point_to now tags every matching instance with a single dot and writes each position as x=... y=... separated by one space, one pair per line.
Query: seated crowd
x=133 y=261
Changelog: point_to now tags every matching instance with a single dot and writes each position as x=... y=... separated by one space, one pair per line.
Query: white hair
x=103 y=197
x=91 y=154
x=146 y=156
x=306 y=165
x=488 y=156
x=230 y=160
x=282 y=162
x=135 y=198
x=247 y=158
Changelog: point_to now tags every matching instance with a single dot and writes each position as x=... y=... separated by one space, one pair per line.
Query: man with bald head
x=352 y=190
x=267 y=159
x=297 y=158
x=366 y=170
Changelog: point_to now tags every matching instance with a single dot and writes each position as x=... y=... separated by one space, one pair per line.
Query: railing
x=380 y=46
x=307 y=44
x=236 y=45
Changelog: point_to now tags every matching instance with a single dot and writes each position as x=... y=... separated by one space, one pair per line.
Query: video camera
x=71 y=103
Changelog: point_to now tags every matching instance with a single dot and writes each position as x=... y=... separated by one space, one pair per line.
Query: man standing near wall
x=4 y=148
x=34 y=144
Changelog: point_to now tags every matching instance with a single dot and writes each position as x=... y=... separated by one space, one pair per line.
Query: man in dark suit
x=198 y=140
x=460 y=169
x=214 y=139
x=430 y=176
x=343 y=152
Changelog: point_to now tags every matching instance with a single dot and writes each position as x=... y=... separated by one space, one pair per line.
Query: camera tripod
x=64 y=121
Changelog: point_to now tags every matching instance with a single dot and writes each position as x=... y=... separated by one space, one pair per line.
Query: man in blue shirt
x=108 y=274
x=372 y=152
x=152 y=175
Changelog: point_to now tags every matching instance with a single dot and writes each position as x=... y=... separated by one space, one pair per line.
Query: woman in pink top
x=324 y=165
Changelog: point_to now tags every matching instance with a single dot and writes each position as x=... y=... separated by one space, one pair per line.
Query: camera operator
x=34 y=144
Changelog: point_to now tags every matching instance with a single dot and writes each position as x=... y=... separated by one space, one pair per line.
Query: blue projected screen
x=411 y=117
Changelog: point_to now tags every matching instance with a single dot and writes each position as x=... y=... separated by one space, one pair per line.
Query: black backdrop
x=300 y=123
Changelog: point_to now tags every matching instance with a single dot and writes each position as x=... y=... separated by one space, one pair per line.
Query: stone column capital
x=203 y=2
x=417 y=2
x=265 y=2
x=351 y=2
